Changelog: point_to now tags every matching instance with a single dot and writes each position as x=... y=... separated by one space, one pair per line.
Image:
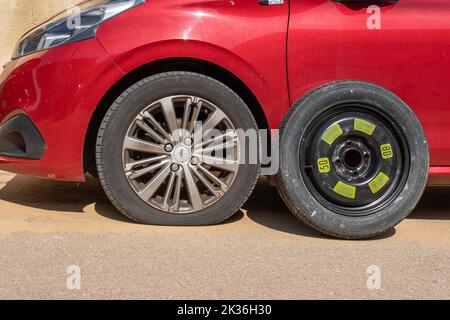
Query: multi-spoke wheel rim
x=181 y=154
x=354 y=159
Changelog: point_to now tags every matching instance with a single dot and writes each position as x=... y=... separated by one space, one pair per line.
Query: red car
x=116 y=88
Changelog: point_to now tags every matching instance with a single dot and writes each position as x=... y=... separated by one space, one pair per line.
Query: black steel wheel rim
x=354 y=158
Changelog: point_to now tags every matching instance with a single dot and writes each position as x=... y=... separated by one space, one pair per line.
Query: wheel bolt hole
x=194 y=161
x=168 y=147
x=188 y=141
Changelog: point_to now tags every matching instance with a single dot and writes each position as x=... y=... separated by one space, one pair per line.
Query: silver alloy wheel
x=181 y=154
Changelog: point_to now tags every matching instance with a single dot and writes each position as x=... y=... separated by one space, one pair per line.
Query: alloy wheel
x=181 y=154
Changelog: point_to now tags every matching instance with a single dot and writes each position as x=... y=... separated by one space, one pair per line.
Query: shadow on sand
x=264 y=207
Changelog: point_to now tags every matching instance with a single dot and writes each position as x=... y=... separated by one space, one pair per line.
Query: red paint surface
x=59 y=89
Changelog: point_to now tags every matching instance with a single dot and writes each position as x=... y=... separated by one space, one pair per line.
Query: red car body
x=272 y=54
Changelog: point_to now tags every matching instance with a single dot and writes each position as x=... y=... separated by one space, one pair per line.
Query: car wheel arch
x=164 y=65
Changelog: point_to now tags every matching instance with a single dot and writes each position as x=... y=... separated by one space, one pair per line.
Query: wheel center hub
x=352 y=159
x=181 y=154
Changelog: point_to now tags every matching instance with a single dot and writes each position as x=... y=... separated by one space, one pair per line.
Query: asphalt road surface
x=52 y=231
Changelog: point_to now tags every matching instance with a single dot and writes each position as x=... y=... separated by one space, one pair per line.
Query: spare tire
x=354 y=160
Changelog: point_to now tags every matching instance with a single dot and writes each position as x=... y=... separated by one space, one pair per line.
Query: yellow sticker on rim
x=386 y=151
x=334 y=132
x=364 y=126
x=378 y=183
x=323 y=164
x=345 y=190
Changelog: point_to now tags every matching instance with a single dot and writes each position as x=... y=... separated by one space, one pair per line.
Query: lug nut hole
x=168 y=147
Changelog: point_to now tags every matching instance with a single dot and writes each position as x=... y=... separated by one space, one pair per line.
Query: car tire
x=175 y=190
x=354 y=160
